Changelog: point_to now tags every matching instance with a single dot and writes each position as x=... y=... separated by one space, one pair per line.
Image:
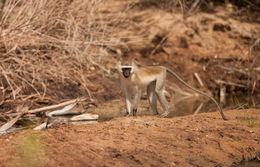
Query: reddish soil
x=196 y=140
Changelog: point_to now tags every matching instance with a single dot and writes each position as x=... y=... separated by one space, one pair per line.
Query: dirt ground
x=195 y=140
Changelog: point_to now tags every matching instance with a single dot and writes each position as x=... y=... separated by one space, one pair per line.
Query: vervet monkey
x=133 y=79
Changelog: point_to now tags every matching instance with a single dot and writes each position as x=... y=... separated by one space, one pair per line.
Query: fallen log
x=59 y=105
x=84 y=117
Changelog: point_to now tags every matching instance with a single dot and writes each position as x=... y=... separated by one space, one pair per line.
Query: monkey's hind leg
x=152 y=97
x=134 y=111
x=163 y=102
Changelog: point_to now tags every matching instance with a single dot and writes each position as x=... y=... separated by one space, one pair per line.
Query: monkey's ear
x=133 y=63
x=134 y=66
x=118 y=66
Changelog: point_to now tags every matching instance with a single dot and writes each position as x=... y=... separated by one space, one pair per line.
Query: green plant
x=30 y=151
x=251 y=122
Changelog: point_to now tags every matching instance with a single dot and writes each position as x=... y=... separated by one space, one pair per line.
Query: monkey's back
x=146 y=75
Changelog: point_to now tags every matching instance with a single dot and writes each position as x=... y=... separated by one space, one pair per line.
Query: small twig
x=253 y=87
x=222 y=94
x=198 y=78
x=250 y=69
x=198 y=109
x=229 y=83
x=255 y=43
x=193 y=7
x=234 y=69
x=9 y=83
x=159 y=44
x=182 y=9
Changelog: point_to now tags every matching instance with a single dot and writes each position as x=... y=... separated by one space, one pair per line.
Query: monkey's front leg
x=128 y=103
x=136 y=101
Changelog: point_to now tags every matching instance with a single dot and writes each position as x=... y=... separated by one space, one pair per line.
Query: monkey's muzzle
x=126 y=72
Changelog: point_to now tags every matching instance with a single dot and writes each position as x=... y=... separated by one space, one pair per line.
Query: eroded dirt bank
x=196 y=140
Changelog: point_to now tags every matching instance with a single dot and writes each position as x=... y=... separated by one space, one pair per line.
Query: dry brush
x=47 y=47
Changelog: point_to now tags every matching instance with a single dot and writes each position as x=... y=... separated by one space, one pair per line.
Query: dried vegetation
x=50 y=49
x=47 y=47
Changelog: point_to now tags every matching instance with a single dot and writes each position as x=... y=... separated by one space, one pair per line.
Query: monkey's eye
x=126 y=68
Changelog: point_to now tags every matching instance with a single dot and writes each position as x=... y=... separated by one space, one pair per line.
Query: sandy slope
x=196 y=140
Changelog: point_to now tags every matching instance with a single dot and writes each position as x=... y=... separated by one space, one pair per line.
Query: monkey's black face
x=126 y=71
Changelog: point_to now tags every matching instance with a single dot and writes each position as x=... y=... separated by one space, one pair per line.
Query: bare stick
x=198 y=109
x=193 y=7
x=9 y=83
x=56 y=105
x=182 y=9
x=233 y=69
x=222 y=94
x=198 y=78
x=159 y=45
x=255 y=69
x=9 y=124
x=253 y=87
x=229 y=83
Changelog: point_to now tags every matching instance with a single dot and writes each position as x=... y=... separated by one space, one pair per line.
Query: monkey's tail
x=196 y=90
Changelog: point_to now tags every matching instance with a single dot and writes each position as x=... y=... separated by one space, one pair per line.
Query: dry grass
x=48 y=46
